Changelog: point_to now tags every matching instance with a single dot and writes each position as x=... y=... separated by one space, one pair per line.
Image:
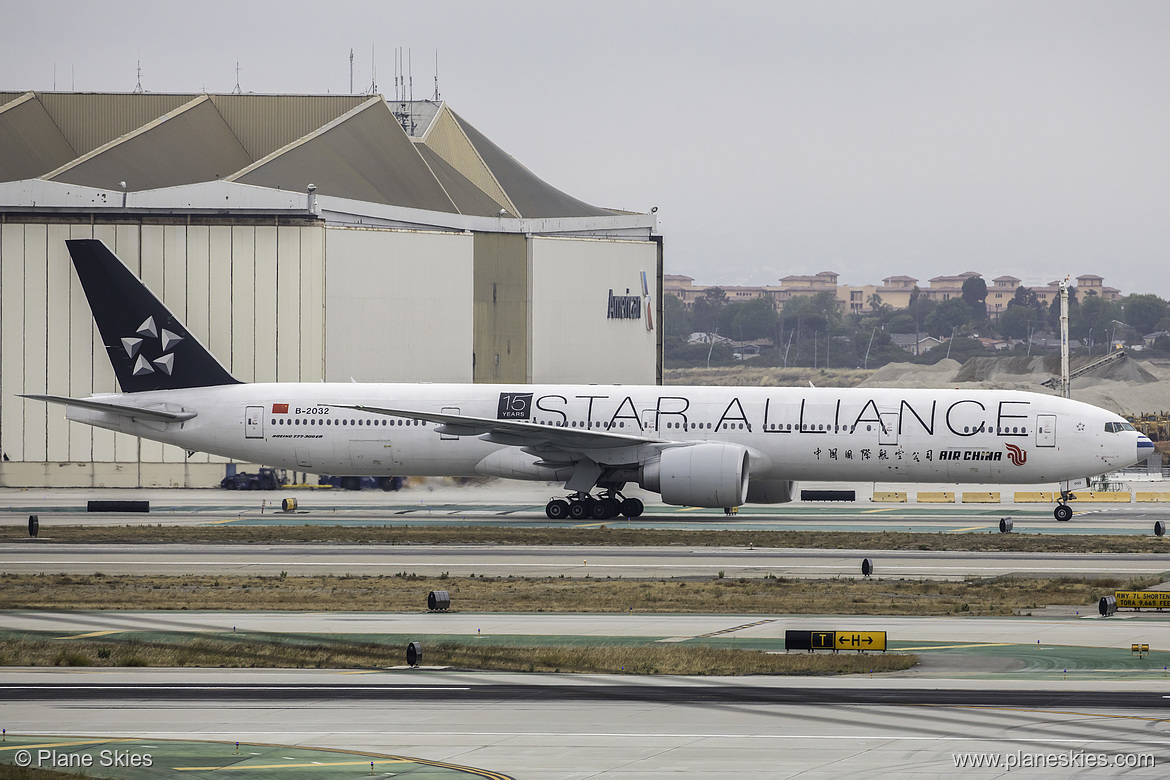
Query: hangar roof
x=416 y=155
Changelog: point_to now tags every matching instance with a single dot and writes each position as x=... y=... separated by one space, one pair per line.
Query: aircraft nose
x=1144 y=447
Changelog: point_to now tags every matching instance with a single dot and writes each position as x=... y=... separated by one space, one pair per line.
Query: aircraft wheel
x=631 y=507
x=605 y=509
x=1063 y=513
x=557 y=509
x=578 y=510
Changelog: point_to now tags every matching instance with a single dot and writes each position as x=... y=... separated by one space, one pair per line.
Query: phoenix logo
x=1017 y=456
x=166 y=340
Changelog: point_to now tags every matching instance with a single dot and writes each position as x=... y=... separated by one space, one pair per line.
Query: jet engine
x=713 y=474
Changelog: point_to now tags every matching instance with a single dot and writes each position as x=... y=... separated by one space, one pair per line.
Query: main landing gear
x=580 y=506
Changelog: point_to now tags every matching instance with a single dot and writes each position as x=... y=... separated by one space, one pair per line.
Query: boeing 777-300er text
x=715 y=447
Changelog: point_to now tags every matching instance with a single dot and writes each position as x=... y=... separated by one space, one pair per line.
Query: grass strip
x=271 y=651
x=607 y=535
x=14 y=772
x=406 y=592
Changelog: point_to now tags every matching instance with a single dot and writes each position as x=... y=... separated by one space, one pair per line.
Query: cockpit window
x=1118 y=427
x=1111 y=427
x=1127 y=427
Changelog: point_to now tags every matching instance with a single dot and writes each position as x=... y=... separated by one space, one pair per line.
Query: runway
x=916 y=633
x=541 y=727
x=1048 y=685
x=34 y=556
x=521 y=505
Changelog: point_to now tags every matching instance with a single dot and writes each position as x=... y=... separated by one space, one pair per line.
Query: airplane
x=713 y=447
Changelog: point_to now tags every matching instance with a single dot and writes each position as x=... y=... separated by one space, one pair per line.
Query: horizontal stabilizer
x=121 y=409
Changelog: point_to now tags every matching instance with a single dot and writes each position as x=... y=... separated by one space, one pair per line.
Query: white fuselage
x=856 y=434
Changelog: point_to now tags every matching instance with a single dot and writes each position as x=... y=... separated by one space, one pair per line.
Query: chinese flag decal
x=280 y=408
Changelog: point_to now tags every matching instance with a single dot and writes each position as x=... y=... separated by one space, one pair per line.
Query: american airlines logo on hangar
x=631 y=306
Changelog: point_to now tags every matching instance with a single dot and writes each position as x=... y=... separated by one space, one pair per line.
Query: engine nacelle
x=771 y=491
x=711 y=475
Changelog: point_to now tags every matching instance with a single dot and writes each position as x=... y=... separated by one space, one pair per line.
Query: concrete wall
x=572 y=338
x=501 y=309
x=399 y=305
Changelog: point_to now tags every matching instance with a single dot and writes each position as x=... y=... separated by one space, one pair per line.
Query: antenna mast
x=138 y=87
x=436 y=98
x=351 y=71
x=373 y=72
x=237 y=90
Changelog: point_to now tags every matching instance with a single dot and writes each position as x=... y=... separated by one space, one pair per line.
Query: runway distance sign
x=1142 y=599
x=835 y=640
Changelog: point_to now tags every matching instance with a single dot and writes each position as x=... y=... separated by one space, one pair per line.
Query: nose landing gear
x=608 y=505
x=1063 y=512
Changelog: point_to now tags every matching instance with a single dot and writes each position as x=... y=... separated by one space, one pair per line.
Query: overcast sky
x=869 y=138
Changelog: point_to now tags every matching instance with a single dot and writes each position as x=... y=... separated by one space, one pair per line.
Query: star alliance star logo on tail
x=167 y=340
x=1017 y=456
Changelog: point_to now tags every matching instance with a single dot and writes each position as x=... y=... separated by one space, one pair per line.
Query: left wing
x=534 y=438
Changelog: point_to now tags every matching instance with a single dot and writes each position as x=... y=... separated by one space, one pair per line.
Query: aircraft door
x=888 y=433
x=254 y=422
x=1046 y=430
x=648 y=416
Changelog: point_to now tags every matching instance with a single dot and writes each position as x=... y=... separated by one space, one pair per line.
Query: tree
x=902 y=323
x=753 y=319
x=948 y=317
x=707 y=308
x=1144 y=311
x=975 y=296
x=1027 y=297
x=878 y=307
x=920 y=309
x=1015 y=321
x=801 y=312
x=1093 y=319
x=676 y=319
x=829 y=307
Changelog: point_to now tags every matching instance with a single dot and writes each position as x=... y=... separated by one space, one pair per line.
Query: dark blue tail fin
x=149 y=347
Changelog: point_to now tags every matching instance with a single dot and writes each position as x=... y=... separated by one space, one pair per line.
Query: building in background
x=894 y=291
x=301 y=238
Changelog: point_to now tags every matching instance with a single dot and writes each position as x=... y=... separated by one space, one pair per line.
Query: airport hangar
x=421 y=252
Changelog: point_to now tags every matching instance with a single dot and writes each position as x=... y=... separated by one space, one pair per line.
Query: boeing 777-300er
x=715 y=447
